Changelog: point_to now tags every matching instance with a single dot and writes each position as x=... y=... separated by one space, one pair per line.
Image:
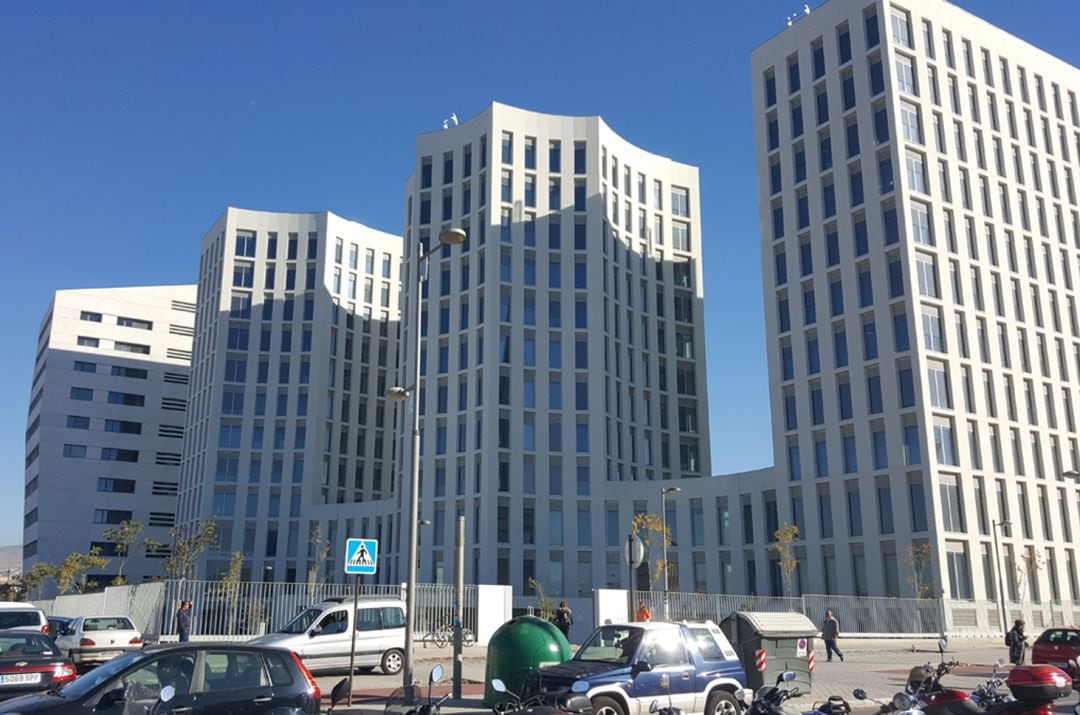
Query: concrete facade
x=562 y=344
x=105 y=426
x=920 y=236
x=295 y=337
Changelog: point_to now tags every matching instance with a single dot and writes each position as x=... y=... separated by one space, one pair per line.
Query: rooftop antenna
x=453 y=118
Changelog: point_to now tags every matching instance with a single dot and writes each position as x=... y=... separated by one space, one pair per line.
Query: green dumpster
x=521 y=644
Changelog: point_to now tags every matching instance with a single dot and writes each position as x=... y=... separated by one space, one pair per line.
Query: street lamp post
x=1002 y=525
x=450 y=237
x=664 y=537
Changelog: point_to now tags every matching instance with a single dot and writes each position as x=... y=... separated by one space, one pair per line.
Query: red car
x=30 y=663
x=1056 y=646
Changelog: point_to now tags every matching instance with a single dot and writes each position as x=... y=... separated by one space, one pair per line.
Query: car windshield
x=611 y=644
x=22 y=645
x=83 y=685
x=301 y=623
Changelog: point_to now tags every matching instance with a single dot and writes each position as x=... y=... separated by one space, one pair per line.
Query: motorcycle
x=540 y=703
x=399 y=704
x=769 y=699
x=1034 y=689
x=535 y=691
x=987 y=694
x=835 y=705
x=902 y=703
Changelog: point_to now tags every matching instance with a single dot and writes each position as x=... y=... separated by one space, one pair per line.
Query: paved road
x=878 y=666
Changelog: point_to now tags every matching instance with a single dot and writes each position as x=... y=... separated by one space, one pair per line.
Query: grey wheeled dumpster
x=770 y=643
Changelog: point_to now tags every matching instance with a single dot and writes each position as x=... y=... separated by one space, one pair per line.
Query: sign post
x=361 y=559
x=635 y=554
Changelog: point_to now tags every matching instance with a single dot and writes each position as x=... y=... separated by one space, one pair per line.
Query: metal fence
x=244 y=610
x=858 y=614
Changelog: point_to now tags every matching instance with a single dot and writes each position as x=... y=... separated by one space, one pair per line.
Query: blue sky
x=126 y=128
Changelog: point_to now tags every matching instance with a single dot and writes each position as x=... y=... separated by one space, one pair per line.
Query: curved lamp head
x=1071 y=474
x=672 y=490
x=452 y=237
x=397 y=394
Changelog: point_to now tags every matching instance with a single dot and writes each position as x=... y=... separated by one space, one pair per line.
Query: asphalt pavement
x=878 y=666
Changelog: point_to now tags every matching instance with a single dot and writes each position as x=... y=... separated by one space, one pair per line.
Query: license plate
x=108 y=653
x=18 y=678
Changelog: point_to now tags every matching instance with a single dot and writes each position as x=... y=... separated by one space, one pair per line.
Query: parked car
x=57 y=624
x=627 y=666
x=1056 y=646
x=30 y=663
x=15 y=615
x=96 y=639
x=320 y=635
x=185 y=678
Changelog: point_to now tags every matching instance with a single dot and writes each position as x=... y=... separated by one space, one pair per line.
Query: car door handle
x=263 y=699
x=182 y=710
x=686 y=675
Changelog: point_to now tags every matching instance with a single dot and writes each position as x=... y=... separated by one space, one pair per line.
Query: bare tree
x=188 y=544
x=545 y=605
x=918 y=557
x=784 y=547
x=124 y=536
x=319 y=549
x=75 y=565
x=229 y=589
x=650 y=529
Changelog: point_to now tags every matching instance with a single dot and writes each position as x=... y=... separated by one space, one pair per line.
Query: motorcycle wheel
x=721 y=702
x=603 y=705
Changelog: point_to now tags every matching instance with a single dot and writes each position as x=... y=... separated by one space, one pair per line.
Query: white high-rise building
x=562 y=345
x=295 y=344
x=920 y=242
x=106 y=424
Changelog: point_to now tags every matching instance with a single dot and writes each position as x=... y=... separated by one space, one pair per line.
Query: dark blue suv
x=630 y=665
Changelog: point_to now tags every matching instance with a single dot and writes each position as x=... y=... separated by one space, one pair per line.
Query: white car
x=320 y=636
x=18 y=616
x=96 y=639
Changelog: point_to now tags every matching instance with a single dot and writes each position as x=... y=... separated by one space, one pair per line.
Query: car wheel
x=603 y=705
x=392 y=662
x=721 y=702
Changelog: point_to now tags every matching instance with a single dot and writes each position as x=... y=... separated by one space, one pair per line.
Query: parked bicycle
x=444 y=635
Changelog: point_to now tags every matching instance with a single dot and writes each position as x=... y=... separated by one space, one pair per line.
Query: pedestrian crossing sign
x=361 y=556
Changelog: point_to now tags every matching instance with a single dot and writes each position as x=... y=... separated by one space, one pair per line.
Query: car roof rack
x=334 y=599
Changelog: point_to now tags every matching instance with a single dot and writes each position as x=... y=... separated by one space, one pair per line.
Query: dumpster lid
x=779 y=624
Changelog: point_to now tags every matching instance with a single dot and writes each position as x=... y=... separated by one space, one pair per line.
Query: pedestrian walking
x=183 y=621
x=564 y=618
x=643 y=612
x=830 y=631
x=1017 y=642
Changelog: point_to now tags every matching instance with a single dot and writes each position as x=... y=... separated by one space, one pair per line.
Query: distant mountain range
x=10 y=558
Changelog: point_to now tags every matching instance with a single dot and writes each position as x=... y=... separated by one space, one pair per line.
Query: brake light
x=87 y=642
x=313 y=685
x=1044 y=709
x=45 y=629
x=63 y=673
x=135 y=641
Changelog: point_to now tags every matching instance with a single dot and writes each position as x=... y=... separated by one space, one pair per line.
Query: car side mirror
x=339 y=692
x=641 y=666
x=167 y=693
x=314 y=632
x=859 y=694
x=436 y=673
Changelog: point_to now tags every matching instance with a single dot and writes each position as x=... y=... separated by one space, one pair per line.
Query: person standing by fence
x=643 y=613
x=564 y=618
x=183 y=621
x=830 y=631
x=1017 y=642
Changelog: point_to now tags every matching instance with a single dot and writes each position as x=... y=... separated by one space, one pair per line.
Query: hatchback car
x=96 y=639
x=185 y=678
x=30 y=663
x=1056 y=646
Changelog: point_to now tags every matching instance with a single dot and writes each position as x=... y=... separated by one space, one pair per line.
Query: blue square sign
x=361 y=556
